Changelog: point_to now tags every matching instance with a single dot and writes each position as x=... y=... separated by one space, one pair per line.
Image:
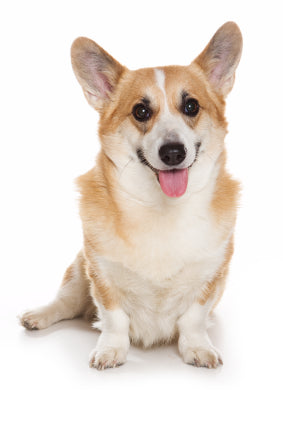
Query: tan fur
x=214 y=289
x=131 y=90
x=123 y=100
x=69 y=273
x=225 y=199
x=99 y=290
x=191 y=79
x=105 y=295
x=98 y=203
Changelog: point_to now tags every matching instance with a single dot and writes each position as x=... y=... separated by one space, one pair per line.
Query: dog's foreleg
x=72 y=300
x=113 y=343
x=194 y=344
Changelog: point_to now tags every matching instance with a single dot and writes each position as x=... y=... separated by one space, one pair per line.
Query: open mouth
x=173 y=182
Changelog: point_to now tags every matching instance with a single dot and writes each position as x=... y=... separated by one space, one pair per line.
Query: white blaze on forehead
x=160 y=80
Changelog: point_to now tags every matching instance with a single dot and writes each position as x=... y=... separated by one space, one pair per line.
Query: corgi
x=158 y=209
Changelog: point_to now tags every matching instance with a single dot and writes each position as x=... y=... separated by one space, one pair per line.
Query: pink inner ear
x=100 y=83
x=222 y=61
x=94 y=75
x=217 y=73
x=103 y=85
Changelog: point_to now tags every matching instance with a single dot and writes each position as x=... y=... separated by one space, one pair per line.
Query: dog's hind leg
x=72 y=300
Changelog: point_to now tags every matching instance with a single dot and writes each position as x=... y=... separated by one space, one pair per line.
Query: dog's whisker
x=124 y=168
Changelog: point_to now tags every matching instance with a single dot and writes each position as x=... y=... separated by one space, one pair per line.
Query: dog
x=159 y=207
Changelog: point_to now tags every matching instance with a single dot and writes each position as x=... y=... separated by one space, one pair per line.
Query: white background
x=48 y=137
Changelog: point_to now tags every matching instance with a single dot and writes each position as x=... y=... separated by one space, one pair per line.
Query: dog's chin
x=173 y=182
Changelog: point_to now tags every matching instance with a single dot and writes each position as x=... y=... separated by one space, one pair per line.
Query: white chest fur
x=172 y=253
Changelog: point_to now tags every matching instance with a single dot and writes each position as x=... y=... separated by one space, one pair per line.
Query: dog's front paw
x=111 y=357
x=202 y=357
x=110 y=352
x=199 y=354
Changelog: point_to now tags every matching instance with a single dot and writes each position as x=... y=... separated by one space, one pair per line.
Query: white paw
x=108 y=358
x=110 y=352
x=202 y=357
x=197 y=350
x=35 y=320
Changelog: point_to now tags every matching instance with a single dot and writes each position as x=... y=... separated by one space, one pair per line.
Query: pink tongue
x=174 y=183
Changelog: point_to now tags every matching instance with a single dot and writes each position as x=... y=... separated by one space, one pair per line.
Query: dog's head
x=165 y=126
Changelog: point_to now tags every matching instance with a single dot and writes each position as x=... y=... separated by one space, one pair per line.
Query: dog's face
x=164 y=126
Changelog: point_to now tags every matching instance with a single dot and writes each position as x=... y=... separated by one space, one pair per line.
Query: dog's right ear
x=96 y=71
x=221 y=56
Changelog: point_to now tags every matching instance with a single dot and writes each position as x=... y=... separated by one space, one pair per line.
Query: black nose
x=172 y=153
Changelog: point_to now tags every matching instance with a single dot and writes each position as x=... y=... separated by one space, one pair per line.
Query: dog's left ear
x=97 y=71
x=221 y=56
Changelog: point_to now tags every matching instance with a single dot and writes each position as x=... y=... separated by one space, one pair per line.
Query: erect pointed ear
x=96 y=71
x=221 y=56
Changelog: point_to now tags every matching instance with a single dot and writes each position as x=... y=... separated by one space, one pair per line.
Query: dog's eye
x=141 y=112
x=191 y=107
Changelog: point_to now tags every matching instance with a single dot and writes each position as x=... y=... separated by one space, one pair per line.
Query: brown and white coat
x=152 y=267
